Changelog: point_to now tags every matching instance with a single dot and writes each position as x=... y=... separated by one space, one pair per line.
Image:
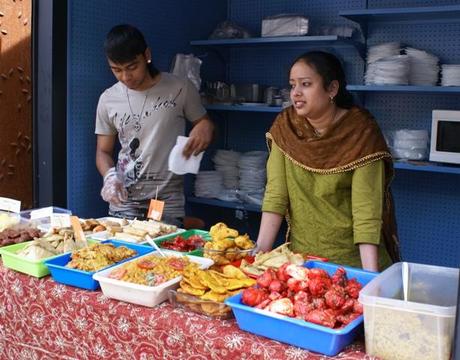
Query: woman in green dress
x=329 y=172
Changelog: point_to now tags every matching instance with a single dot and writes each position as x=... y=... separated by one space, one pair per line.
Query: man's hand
x=113 y=190
x=200 y=137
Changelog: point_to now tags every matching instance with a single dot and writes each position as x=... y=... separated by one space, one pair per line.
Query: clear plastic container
x=45 y=220
x=206 y=307
x=421 y=327
x=224 y=257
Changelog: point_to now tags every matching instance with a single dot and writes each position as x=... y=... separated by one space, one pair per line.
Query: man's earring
x=331 y=99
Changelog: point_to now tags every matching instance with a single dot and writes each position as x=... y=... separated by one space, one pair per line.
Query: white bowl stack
x=253 y=174
x=226 y=162
x=424 y=68
x=450 y=75
x=209 y=184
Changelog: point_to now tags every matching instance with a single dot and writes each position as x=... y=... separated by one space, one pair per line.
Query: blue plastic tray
x=84 y=279
x=297 y=332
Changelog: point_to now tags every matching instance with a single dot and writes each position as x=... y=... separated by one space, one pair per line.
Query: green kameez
x=329 y=215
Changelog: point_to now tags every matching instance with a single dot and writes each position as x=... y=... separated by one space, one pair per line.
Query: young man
x=146 y=109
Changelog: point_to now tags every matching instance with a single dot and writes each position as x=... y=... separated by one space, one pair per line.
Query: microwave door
x=448 y=139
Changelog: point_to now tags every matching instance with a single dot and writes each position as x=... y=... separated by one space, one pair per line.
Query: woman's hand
x=369 y=256
x=269 y=227
x=200 y=137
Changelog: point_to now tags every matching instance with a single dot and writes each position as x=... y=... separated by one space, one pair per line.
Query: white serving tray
x=105 y=235
x=142 y=294
x=47 y=226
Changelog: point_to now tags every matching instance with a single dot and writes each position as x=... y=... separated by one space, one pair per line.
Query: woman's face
x=308 y=95
x=134 y=74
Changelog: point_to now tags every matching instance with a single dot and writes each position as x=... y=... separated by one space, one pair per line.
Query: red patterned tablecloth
x=41 y=319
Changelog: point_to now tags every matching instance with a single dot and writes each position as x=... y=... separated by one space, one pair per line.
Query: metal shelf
x=315 y=41
x=253 y=108
x=437 y=14
x=400 y=165
x=406 y=89
x=426 y=166
x=224 y=204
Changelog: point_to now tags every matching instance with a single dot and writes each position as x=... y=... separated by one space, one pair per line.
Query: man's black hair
x=123 y=43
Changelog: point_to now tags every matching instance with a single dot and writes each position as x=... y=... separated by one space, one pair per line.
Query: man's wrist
x=111 y=172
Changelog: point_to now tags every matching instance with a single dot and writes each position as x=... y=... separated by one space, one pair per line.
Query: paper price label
x=60 y=220
x=41 y=213
x=10 y=205
x=156 y=209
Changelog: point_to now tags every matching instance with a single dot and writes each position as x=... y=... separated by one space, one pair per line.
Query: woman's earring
x=331 y=99
x=149 y=61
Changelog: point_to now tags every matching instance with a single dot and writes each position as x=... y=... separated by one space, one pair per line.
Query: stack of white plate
x=450 y=75
x=381 y=51
x=392 y=70
x=380 y=63
x=226 y=162
x=209 y=184
x=253 y=175
x=424 y=68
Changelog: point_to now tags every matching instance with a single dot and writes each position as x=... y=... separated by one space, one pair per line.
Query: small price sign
x=10 y=205
x=156 y=209
x=41 y=213
x=60 y=220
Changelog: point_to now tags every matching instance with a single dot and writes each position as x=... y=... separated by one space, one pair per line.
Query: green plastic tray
x=36 y=268
x=186 y=234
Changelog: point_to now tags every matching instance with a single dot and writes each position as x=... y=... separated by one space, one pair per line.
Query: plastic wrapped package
x=409 y=144
x=340 y=30
x=229 y=30
x=284 y=25
x=187 y=66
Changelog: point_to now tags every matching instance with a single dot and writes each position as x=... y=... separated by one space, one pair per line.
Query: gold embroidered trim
x=351 y=166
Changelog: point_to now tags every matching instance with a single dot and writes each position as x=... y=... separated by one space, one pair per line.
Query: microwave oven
x=445 y=136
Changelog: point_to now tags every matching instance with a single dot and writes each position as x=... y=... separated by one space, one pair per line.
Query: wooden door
x=16 y=166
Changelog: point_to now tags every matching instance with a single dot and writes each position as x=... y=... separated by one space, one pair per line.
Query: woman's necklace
x=319 y=132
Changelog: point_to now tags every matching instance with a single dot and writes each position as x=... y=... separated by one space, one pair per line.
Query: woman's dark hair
x=328 y=66
x=123 y=43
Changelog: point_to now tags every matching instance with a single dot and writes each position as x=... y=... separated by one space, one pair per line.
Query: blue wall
x=427 y=204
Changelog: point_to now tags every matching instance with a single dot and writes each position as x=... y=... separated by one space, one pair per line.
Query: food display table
x=41 y=319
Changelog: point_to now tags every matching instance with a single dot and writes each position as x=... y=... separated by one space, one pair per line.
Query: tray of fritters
x=204 y=291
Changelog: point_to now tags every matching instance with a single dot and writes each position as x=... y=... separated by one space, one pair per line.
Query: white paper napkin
x=177 y=162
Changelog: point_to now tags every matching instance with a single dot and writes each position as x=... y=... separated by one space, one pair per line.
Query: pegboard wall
x=168 y=28
x=427 y=204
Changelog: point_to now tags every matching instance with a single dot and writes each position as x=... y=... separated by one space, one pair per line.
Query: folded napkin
x=177 y=162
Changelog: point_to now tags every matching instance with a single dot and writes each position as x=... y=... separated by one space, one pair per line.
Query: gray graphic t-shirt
x=148 y=123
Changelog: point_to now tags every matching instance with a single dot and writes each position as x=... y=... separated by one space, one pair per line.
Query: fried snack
x=226 y=245
x=233 y=272
x=208 y=293
x=244 y=242
x=190 y=289
x=221 y=231
x=273 y=259
x=98 y=256
x=136 y=232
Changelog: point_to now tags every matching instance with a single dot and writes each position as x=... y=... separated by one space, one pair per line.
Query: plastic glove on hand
x=113 y=190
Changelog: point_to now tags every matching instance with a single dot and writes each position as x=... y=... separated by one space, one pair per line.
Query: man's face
x=134 y=74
